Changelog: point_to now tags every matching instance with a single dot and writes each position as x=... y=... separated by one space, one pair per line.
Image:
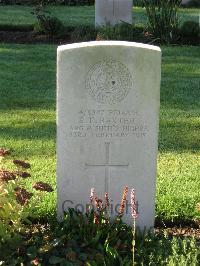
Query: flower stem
x=133 y=242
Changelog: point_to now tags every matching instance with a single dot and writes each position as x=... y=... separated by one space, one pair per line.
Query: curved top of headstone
x=108 y=43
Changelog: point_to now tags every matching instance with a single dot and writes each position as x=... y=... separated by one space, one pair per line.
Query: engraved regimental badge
x=108 y=81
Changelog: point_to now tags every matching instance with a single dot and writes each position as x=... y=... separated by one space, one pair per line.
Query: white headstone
x=111 y=12
x=184 y=2
x=107 y=124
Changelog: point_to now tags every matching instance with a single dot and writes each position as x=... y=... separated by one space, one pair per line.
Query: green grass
x=84 y=15
x=178 y=170
x=27 y=119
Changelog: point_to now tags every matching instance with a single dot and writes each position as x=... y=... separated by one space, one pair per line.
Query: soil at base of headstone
x=30 y=38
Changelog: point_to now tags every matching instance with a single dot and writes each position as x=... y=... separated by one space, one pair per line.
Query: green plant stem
x=133 y=241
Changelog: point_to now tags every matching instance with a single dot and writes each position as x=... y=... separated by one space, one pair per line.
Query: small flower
x=107 y=202
x=147 y=34
x=133 y=205
x=123 y=201
x=42 y=187
x=35 y=262
x=98 y=203
x=92 y=195
x=21 y=164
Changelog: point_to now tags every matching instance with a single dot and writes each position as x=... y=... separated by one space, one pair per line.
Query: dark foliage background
x=191 y=3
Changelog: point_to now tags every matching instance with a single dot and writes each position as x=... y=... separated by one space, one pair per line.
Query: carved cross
x=107 y=165
x=113 y=8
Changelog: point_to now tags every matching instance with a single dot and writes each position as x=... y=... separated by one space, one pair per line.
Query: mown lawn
x=28 y=126
x=84 y=15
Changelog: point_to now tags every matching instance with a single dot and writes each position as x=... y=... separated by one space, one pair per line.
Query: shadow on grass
x=179 y=135
x=28 y=76
x=40 y=130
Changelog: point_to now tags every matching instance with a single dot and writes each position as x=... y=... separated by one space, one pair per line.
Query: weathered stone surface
x=111 y=12
x=107 y=124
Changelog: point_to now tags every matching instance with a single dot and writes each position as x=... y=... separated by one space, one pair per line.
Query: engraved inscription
x=109 y=81
x=107 y=124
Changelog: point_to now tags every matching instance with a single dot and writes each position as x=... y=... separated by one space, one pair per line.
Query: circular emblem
x=109 y=81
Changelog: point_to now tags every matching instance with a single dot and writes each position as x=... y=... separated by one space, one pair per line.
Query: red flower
x=107 y=202
x=35 y=262
x=21 y=164
x=123 y=201
x=42 y=187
